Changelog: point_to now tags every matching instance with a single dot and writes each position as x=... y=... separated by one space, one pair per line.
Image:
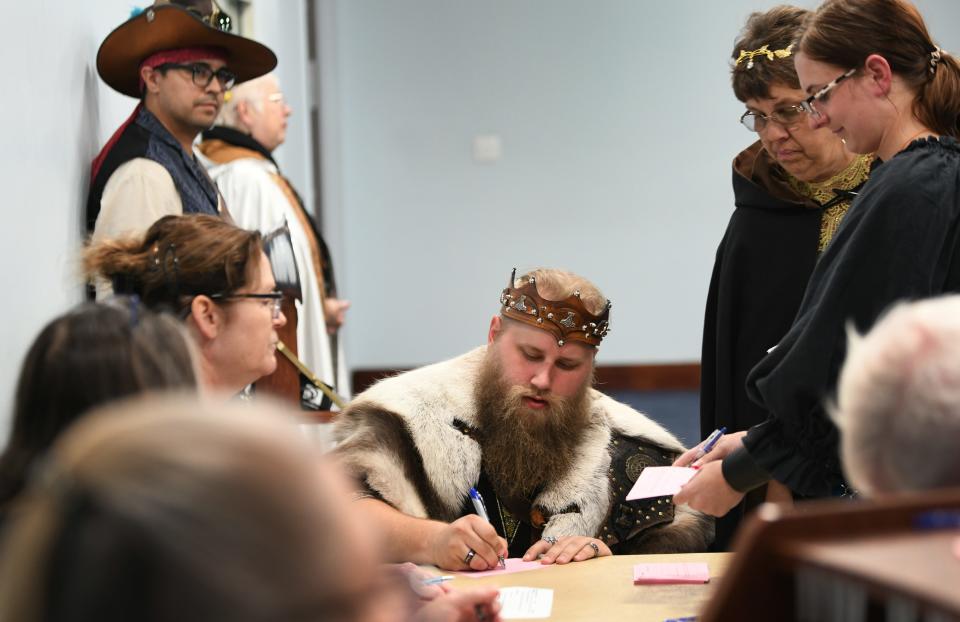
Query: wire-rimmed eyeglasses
x=823 y=95
x=203 y=74
x=788 y=116
x=275 y=299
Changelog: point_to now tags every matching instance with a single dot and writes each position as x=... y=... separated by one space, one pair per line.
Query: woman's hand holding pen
x=708 y=491
x=424 y=585
x=451 y=545
x=724 y=446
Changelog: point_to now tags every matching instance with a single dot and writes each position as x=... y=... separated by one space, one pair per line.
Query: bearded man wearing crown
x=508 y=451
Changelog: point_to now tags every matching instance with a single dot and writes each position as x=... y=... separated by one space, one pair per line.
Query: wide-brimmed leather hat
x=170 y=27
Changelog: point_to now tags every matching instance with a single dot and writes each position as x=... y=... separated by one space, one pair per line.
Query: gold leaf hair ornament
x=763 y=50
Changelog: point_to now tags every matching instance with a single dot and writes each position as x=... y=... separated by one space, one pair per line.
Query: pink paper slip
x=659 y=574
x=660 y=482
x=514 y=564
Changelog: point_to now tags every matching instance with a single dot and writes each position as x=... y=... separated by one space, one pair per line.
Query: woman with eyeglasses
x=216 y=277
x=876 y=79
x=791 y=188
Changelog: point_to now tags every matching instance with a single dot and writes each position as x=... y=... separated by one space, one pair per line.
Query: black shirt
x=898 y=242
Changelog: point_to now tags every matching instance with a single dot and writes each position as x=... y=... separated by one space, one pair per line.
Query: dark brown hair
x=777 y=28
x=845 y=32
x=178 y=258
x=89 y=356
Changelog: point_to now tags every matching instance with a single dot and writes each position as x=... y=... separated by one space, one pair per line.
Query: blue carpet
x=677 y=411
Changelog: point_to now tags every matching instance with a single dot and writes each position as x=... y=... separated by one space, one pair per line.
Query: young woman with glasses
x=875 y=78
x=215 y=276
x=791 y=189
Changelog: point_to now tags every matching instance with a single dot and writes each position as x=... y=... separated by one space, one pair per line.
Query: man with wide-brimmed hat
x=179 y=67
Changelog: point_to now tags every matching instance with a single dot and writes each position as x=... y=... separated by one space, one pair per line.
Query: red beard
x=524 y=448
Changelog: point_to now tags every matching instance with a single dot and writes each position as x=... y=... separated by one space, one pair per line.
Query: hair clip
x=170 y=256
x=935 y=57
x=763 y=50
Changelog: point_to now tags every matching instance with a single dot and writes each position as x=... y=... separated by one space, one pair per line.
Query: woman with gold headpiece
x=874 y=76
x=792 y=188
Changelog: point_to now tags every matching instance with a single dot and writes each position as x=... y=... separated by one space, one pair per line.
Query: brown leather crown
x=567 y=320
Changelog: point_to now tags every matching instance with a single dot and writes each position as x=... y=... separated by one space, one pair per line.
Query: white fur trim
x=428 y=399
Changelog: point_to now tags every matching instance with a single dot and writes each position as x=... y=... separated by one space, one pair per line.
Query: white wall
x=282 y=27
x=618 y=127
x=55 y=110
x=617 y=121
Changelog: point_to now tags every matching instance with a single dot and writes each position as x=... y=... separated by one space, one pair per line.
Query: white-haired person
x=898 y=400
x=238 y=152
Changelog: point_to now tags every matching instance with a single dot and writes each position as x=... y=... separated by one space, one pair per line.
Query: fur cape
x=404 y=439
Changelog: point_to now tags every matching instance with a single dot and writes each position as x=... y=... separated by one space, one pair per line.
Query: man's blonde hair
x=555 y=284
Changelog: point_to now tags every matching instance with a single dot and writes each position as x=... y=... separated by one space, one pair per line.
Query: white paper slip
x=660 y=482
x=525 y=602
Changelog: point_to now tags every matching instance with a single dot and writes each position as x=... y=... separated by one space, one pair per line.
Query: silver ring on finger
x=596 y=549
x=469 y=556
x=551 y=540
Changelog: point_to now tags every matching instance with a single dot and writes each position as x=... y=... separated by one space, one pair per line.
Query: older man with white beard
x=518 y=421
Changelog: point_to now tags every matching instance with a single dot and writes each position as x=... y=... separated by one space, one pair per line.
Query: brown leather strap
x=307 y=228
x=284 y=383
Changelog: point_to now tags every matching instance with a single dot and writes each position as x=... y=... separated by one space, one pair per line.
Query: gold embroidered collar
x=849 y=178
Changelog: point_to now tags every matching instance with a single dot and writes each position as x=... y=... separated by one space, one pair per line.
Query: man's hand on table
x=566 y=549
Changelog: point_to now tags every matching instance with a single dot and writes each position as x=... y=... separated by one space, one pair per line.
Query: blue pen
x=481 y=510
x=710 y=443
x=438 y=580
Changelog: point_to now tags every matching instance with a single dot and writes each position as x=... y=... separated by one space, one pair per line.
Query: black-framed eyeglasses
x=788 y=116
x=823 y=95
x=203 y=74
x=274 y=298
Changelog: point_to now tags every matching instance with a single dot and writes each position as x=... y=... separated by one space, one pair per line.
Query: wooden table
x=603 y=589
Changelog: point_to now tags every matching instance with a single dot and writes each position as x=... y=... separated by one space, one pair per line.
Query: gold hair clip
x=227 y=96
x=763 y=50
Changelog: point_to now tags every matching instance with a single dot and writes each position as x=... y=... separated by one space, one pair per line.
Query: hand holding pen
x=481 y=510
x=468 y=543
x=717 y=445
x=710 y=443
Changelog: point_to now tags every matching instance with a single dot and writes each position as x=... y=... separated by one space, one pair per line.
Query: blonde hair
x=555 y=284
x=898 y=400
